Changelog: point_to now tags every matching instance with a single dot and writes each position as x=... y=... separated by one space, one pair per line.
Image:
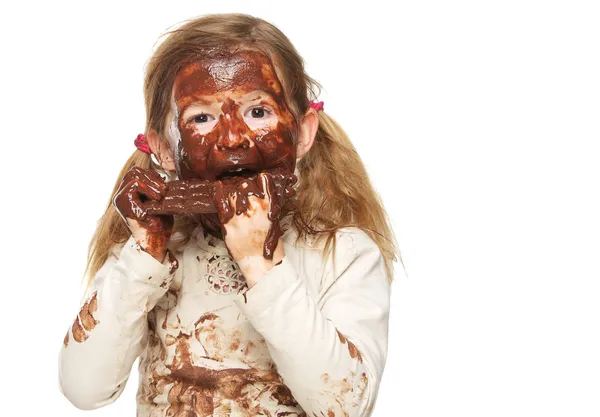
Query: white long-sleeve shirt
x=309 y=339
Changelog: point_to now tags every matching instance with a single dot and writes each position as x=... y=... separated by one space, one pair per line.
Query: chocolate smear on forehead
x=243 y=70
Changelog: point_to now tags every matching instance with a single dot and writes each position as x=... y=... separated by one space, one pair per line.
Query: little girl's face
x=230 y=114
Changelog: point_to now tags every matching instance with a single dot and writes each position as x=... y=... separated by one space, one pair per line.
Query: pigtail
x=335 y=192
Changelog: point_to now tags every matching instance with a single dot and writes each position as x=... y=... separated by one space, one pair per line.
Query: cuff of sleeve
x=281 y=284
x=145 y=266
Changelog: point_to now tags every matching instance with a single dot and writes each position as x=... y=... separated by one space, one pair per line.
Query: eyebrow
x=190 y=107
x=261 y=95
x=196 y=102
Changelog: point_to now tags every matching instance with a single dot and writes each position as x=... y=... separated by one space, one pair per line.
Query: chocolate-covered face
x=230 y=118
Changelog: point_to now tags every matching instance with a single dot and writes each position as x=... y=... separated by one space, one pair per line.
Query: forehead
x=239 y=72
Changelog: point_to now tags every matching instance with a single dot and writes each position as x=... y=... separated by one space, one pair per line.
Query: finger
x=146 y=190
x=190 y=188
x=153 y=180
x=186 y=197
x=150 y=177
x=133 y=173
x=155 y=207
x=265 y=179
x=222 y=203
x=128 y=202
x=201 y=205
x=288 y=189
x=154 y=176
x=291 y=180
x=200 y=196
x=233 y=201
x=192 y=201
x=200 y=186
x=133 y=192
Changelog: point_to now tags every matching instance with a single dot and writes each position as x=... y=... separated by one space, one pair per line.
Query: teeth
x=234 y=172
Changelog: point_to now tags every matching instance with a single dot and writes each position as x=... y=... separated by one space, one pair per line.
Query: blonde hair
x=334 y=190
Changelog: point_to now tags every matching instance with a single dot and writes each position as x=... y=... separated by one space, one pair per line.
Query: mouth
x=237 y=172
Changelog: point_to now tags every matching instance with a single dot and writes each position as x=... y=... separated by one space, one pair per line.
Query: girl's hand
x=250 y=233
x=152 y=233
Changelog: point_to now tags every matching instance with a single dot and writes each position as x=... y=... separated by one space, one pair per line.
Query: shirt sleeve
x=329 y=351
x=110 y=329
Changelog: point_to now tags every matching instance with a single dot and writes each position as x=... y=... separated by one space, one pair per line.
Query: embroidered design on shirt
x=221 y=272
x=223 y=275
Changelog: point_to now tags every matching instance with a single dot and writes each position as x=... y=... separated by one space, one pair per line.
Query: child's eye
x=202 y=118
x=259 y=112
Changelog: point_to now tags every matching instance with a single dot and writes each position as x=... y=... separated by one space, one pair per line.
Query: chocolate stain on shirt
x=210 y=364
x=85 y=321
x=173 y=262
x=354 y=353
x=346 y=388
x=186 y=388
x=168 y=302
x=350 y=389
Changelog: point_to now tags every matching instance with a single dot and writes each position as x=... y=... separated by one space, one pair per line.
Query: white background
x=478 y=122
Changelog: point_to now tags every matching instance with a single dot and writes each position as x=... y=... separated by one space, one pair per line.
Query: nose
x=232 y=140
x=234 y=132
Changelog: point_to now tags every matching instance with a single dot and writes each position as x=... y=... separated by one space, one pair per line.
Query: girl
x=274 y=305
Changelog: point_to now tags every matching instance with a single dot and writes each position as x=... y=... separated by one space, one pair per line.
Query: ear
x=161 y=150
x=307 y=133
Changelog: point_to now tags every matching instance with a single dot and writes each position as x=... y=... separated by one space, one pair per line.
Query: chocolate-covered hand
x=152 y=233
x=196 y=196
x=249 y=212
x=193 y=196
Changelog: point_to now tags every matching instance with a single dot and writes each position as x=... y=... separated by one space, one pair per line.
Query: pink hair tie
x=317 y=105
x=142 y=143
